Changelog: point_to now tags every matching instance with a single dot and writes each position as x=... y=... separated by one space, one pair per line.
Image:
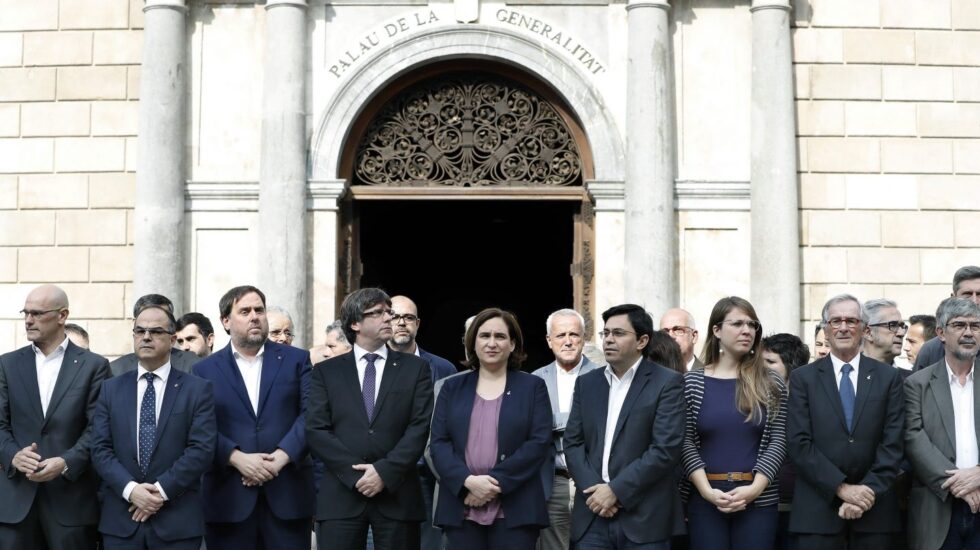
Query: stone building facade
x=780 y=152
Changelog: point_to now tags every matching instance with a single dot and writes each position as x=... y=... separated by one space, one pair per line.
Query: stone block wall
x=888 y=117
x=68 y=123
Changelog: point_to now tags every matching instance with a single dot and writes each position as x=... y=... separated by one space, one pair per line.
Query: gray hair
x=352 y=310
x=281 y=311
x=952 y=307
x=965 y=273
x=825 y=313
x=566 y=312
x=872 y=308
x=337 y=327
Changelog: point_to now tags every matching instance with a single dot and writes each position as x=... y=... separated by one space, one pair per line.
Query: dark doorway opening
x=454 y=258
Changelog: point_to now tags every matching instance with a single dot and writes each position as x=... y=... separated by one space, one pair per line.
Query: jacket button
x=850 y=440
x=371 y=432
x=503 y=457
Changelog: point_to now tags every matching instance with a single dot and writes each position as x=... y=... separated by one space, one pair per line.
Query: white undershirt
x=379 y=366
x=48 y=367
x=251 y=370
x=966 y=434
x=618 y=388
x=854 y=373
x=690 y=364
x=159 y=386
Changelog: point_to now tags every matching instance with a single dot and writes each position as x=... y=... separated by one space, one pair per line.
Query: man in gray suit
x=179 y=359
x=566 y=338
x=941 y=435
x=48 y=392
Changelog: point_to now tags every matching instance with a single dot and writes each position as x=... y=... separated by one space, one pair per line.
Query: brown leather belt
x=731 y=476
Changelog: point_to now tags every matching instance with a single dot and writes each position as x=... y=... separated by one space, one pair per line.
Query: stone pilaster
x=158 y=223
x=775 y=202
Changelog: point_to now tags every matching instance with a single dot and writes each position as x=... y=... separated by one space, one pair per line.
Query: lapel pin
x=176 y=385
x=508 y=392
x=76 y=360
x=279 y=357
x=869 y=377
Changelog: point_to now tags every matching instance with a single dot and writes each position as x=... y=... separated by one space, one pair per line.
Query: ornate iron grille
x=466 y=131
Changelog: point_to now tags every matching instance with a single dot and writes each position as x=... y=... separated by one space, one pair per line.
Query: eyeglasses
x=851 y=322
x=407 y=317
x=35 y=313
x=960 y=326
x=616 y=333
x=374 y=313
x=277 y=333
x=139 y=332
x=677 y=330
x=893 y=326
x=742 y=323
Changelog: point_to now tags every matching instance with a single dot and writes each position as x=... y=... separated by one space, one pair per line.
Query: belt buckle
x=731 y=477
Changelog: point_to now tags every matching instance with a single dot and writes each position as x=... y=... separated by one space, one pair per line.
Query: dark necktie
x=847 y=395
x=367 y=389
x=148 y=422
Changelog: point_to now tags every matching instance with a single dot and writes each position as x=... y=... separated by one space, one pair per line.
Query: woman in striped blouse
x=735 y=438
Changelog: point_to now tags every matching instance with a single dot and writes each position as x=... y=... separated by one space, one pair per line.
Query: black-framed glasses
x=139 y=332
x=406 y=317
x=616 y=333
x=375 y=313
x=35 y=313
x=739 y=324
x=893 y=326
x=851 y=322
x=960 y=326
x=676 y=330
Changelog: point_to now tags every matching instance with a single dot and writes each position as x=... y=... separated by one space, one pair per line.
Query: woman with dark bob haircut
x=491 y=433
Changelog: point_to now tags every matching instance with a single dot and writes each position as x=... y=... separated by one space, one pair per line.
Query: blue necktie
x=847 y=395
x=367 y=389
x=148 y=422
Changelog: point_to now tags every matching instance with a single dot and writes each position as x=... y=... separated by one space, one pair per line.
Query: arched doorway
x=467 y=192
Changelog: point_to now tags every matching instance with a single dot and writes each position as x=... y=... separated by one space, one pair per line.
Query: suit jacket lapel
x=348 y=371
x=388 y=379
x=271 y=363
x=28 y=378
x=825 y=372
x=640 y=379
x=229 y=367
x=170 y=391
x=867 y=376
x=66 y=376
x=601 y=412
x=130 y=411
x=939 y=386
x=551 y=380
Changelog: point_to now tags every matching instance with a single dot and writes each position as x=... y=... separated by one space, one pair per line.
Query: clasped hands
x=482 y=489
x=602 y=500
x=145 y=500
x=258 y=468
x=28 y=462
x=732 y=501
x=858 y=499
x=964 y=483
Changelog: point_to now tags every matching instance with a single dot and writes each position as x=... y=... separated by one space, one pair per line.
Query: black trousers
x=351 y=533
x=41 y=531
x=261 y=530
x=846 y=540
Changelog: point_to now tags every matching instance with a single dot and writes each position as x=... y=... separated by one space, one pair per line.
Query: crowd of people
x=369 y=441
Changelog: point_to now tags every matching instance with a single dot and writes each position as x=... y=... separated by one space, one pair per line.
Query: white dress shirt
x=565 y=382
x=855 y=363
x=251 y=370
x=963 y=420
x=159 y=386
x=618 y=388
x=379 y=366
x=48 y=367
x=690 y=364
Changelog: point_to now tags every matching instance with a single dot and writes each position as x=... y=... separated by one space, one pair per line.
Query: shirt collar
x=360 y=352
x=690 y=364
x=574 y=371
x=628 y=377
x=163 y=372
x=952 y=377
x=838 y=363
x=57 y=351
x=238 y=355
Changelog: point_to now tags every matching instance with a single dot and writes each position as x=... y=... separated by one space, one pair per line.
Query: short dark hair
x=148 y=300
x=516 y=357
x=171 y=322
x=352 y=309
x=928 y=323
x=790 y=349
x=76 y=329
x=817 y=328
x=664 y=350
x=965 y=273
x=228 y=300
x=639 y=318
x=202 y=323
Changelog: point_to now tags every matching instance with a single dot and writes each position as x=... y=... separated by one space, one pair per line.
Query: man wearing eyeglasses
x=48 y=391
x=941 y=435
x=179 y=359
x=368 y=421
x=679 y=324
x=259 y=492
x=885 y=333
x=281 y=329
x=966 y=285
x=845 y=421
x=153 y=436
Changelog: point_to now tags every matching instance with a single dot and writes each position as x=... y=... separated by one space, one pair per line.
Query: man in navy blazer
x=623 y=442
x=259 y=492
x=368 y=421
x=845 y=428
x=153 y=436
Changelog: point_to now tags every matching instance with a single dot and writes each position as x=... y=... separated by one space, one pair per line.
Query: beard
x=402 y=340
x=249 y=341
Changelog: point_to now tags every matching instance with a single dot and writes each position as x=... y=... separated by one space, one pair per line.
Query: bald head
x=50 y=296
x=679 y=323
x=45 y=315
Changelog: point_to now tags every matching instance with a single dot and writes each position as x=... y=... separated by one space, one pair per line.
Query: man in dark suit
x=153 y=436
x=941 y=434
x=966 y=285
x=845 y=427
x=405 y=324
x=259 y=492
x=48 y=392
x=179 y=359
x=623 y=443
x=368 y=421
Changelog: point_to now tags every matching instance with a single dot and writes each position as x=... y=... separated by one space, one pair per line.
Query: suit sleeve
x=104 y=460
x=404 y=456
x=888 y=456
x=8 y=445
x=928 y=462
x=198 y=453
x=294 y=441
x=811 y=464
x=525 y=463
x=78 y=456
x=661 y=457
x=576 y=454
x=320 y=437
x=451 y=471
x=771 y=459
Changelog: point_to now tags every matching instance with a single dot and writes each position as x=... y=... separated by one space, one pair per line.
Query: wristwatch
x=64 y=470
